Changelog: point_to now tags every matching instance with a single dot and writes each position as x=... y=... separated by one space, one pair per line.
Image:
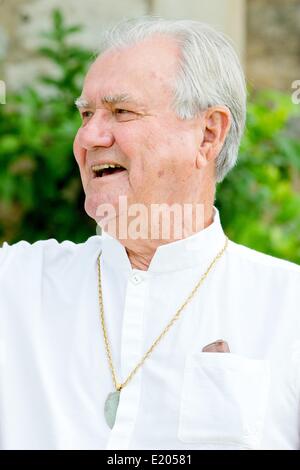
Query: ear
x=215 y=127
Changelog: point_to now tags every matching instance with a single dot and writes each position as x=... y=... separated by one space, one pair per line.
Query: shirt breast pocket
x=224 y=400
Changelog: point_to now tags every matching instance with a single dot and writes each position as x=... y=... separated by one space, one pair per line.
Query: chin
x=90 y=209
x=99 y=208
x=92 y=206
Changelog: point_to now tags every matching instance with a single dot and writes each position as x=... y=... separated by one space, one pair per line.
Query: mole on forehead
x=82 y=102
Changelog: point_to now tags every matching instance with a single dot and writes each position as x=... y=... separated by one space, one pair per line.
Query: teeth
x=105 y=166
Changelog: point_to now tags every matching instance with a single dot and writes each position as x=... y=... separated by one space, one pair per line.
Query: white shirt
x=55 y=377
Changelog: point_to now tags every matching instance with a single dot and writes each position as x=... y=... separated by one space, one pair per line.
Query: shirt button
x=136 y=279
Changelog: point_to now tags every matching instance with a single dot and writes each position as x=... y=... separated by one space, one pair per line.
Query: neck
x=139 y=260
x=141 y=252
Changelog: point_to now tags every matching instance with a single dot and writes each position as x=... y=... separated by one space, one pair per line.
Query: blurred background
x=45 y=49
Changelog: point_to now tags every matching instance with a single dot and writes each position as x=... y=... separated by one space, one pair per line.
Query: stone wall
x=273 y=43
x=21 y=22
x=266 y=33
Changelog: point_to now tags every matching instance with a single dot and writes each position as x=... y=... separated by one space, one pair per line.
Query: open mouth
x=99 y=171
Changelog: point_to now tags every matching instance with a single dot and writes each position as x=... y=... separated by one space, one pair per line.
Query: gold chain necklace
x=112 y=401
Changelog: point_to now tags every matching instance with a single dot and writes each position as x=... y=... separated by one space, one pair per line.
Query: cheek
x=78 y=151
x=156 y=154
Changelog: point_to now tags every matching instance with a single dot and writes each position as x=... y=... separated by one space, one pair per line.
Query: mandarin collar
x=195 y=250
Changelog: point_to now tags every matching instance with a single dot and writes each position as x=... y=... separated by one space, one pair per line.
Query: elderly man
x=136 y=341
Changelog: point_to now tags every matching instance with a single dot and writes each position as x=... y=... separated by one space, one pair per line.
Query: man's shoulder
x=46 y=251
x=262 y=262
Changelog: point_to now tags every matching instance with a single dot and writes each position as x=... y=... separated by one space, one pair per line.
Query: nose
x=96 y=132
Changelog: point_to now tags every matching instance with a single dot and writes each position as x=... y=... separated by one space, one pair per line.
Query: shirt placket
x=131 y=353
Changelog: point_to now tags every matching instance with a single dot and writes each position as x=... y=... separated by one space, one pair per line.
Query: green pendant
x=111 y=407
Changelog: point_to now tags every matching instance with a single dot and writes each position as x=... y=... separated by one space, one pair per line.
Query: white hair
x=209 y=73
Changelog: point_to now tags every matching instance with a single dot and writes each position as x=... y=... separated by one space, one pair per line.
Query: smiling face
x=128 y=120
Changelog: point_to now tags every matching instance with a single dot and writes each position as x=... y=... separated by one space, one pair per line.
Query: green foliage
x=41 y=194
x=260 y=199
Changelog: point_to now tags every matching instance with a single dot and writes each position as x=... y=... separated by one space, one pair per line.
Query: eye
x=122 y=111
x=124 y=114
x=86 y=114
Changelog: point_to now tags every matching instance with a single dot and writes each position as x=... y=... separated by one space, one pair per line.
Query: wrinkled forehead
x=142 y=70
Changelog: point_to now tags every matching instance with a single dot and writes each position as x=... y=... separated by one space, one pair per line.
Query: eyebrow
x=81 y=102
